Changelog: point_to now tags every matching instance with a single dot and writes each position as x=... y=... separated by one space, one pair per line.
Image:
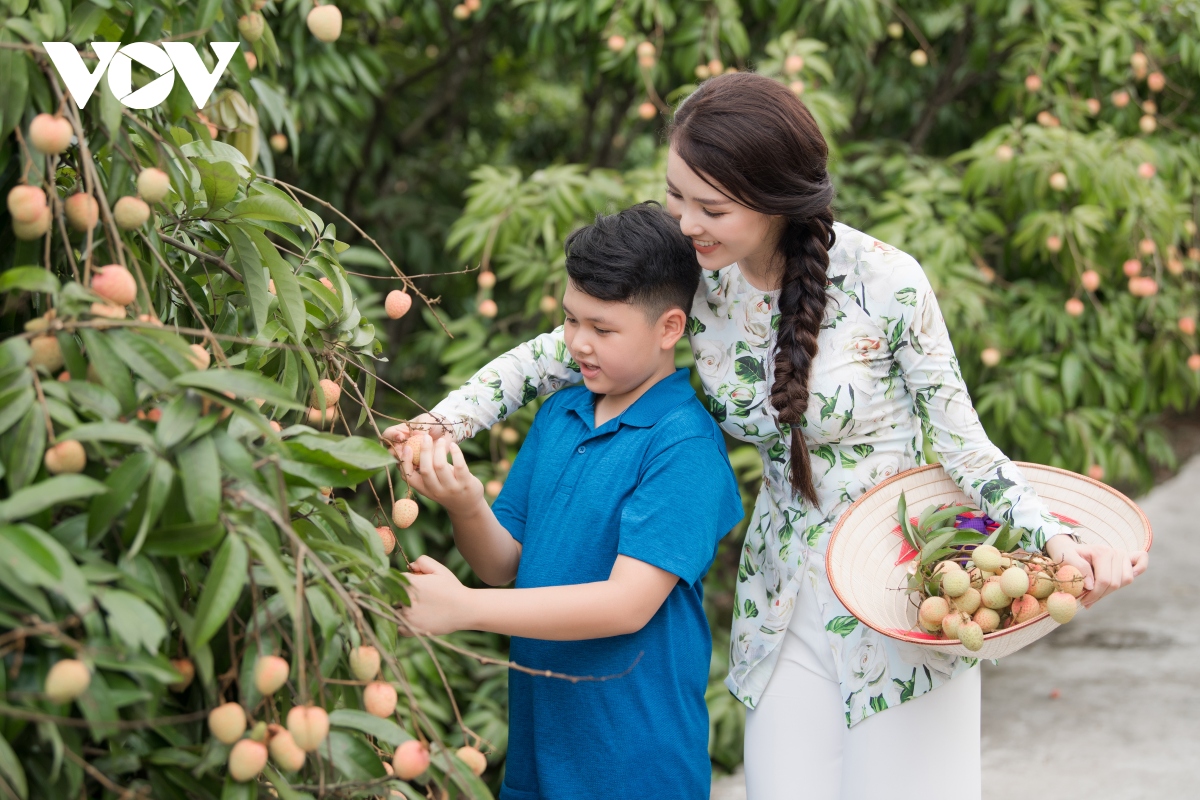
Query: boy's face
x=616 y=345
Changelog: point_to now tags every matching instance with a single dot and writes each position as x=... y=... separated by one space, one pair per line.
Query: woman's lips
x=705 y=248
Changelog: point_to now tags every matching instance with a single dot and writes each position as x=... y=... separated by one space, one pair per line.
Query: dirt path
x=1124 y=723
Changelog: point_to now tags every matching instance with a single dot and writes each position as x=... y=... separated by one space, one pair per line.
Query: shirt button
x=581 y=449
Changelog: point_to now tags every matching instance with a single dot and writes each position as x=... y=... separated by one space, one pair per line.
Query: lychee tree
x=199 y=575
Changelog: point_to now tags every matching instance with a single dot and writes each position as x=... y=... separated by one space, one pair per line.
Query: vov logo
x=166 y=60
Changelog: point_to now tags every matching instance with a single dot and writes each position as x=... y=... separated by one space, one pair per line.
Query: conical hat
x=864 y=549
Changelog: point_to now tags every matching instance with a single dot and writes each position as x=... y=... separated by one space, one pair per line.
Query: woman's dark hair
x=752 y=138
x=637 y=256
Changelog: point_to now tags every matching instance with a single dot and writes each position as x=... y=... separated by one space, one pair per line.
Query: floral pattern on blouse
x=885 y=380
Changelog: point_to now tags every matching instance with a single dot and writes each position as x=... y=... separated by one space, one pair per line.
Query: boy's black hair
x=639 y=256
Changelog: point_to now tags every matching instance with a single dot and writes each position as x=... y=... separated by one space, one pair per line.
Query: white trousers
x=799 y=748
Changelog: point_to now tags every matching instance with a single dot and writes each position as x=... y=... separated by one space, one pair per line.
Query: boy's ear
x=673 y=325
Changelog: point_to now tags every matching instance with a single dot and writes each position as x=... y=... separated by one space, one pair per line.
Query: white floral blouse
x=885 y=379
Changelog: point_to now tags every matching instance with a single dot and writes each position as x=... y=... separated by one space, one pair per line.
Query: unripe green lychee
x=153 y=185
x=955 y=582
x=1040 y=583
x=404 y=512
x=475 y=760
x=397 y=304
x=131 y=212
x=1070 y=580
x=364 y=662
x=83 y=212
x=67 y=680
x=325 y=23
x=227 y=722
x=28 y=231
x=1015 y=582
x=1062 y=607
x=410 y=760
x=993 y=595
x=284 y=752
x=26 y=203
x=986 y=557
x=988 y=619
x=46 y=353
x=270 y=673
x=969 y=601
x=971 y=636
x=309 y=725
x=251 y=26
x=66 y=457
x=246 y=760
x=1025 y=608
x=50 y=134
x=379 y=699
x=932 y=610
x=115 y=284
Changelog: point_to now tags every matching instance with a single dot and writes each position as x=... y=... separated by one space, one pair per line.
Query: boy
x=608 y=521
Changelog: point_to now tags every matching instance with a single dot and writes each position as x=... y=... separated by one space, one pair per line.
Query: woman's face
x=721 y=229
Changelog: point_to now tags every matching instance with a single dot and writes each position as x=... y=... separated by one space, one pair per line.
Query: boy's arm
x=622 y=604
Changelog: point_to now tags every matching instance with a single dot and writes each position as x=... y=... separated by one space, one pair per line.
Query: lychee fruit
x=918 y=58
x=1156 y=81
x=28 y=231
x=971 y=635
x=988 y=619
x=364 y=662
x=1054 y=243
x=315 y=417
x=379 y=699
x=895 y=30
x=986 y=557
x=547 y=305
x=275 y=426
x=1093 y=106
x=387 y=538
x=931 y=612
x=50 y=134
x=1074 y=307
x=1040 y=584
x=47 y=353
x=1015 y=582
x=950 y=624
x=270 y=673
x=246 y=760
x=278 y=142
x=67 y=680
x=645 y=49
x=797 y=87
x=153 y=185
x=647 y=110
x=1174 y=266
x=284 y=752
x=251 y=60
x=200 y=357
x=1146 y=170
x=1062 y=607
x=493 y=488
x=1148 y=123
x=993 y=595
x=26 y=203
x=990 y=356
x=410 y=760
x=793 y=64
x=486 y=279
x=1090 y=280
x=475 y=760
x=131 y=212
x=251 y=26
x=328 y=284
x=461 y=11
x=1025 y=608
x=1004 y=153
x=1096 y=472
x=332 y=392
x=1187 y=325
x=1070 y=580
x=955 y=583
x=397 y=304
x=616 y=43
x=227 y=722
x=1058 y=182
x=509 y=436
x=115 y=284
x=325 y=23
x=309 y=725
x=83 y=212
x=66 y=457
x=1033 y=83
x=414 y=445
x=969 y=601
x=187 y=671
x=1120 y=98
x=404 y=512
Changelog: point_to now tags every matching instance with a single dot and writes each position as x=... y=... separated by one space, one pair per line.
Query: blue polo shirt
x=653 y=484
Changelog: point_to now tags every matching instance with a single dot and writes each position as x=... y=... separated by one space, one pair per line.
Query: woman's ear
x=672 y=325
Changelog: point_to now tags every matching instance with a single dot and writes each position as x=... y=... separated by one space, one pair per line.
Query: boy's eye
x=602 y=331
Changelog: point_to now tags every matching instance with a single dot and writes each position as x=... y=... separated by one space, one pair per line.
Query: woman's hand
x=438 y=600
x=1104 y=569
x=450 y=484
x=399 y=434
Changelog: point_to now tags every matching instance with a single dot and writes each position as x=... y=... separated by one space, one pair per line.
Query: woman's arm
x=538 y=367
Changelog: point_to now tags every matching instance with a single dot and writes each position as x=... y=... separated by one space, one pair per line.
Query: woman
x=826 y=349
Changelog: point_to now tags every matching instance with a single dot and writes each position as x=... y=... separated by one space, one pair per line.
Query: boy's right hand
x=397 y=435
x=450 y=484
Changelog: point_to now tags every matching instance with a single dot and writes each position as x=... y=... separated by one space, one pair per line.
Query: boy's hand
x=397 y=435
x=452 y=485
x=437 y=598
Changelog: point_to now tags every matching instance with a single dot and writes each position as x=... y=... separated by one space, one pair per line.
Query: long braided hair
x=751 y=137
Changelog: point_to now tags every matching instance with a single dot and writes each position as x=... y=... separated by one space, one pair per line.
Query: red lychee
x=187 y=671
x=379 y=699
x=410 y=760
x=397 y=304
x=1025 y=608
x=115 y=284
x=1074 y=307
x=1070 y=580
x=1090 y=280
x=50 y=134
x=387 y=538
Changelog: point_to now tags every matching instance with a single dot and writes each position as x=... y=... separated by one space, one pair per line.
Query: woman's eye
x=715 y=214
x=673 y=193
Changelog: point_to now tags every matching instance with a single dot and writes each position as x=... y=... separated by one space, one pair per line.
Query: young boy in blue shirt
x=608 y=521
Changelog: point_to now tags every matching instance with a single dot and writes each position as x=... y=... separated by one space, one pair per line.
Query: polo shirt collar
x=647 y=410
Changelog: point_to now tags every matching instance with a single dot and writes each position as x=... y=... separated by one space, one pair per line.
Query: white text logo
x=178 y=57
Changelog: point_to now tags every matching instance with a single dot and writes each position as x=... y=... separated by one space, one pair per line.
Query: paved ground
x=1125 y=724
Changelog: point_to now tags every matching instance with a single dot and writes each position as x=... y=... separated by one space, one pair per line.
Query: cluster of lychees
x=983 y=590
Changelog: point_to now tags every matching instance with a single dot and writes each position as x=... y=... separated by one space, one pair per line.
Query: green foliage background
x=481 y=142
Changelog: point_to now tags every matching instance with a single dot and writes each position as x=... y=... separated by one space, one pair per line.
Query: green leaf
x=347 y=451
x=14 y=403
x=935 y=543
x=241 y=383
x=29 y=556
x=178 y=419
x=385 y=730
x=28 y=279
x=287 y=287
x=111 y=371
x=842 y=626
x=222 y=588
x=25 y=445
x=123 y=482
x=219 y=181
x=354 y=758
x=285 y=581
x=267 y=207
x=132 y=620
x=58 y=490
x=250 y=263
x=202 y=488
x=12 y=771
x=190 y=539
x=120 y=432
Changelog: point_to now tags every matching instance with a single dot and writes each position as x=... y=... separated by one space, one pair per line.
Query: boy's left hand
x=437 y=598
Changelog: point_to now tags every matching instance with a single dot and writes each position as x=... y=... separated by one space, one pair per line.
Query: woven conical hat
x=863 y=549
